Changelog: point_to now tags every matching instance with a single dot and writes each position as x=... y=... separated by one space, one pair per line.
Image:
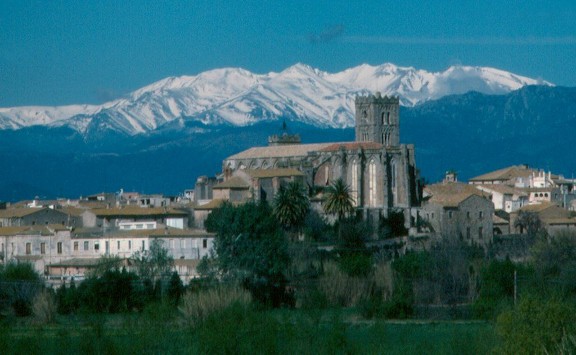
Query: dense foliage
x=19 y=284
x=252 y=249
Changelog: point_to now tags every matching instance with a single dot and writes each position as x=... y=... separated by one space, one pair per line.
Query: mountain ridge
x=238 y=97
x=472 y=134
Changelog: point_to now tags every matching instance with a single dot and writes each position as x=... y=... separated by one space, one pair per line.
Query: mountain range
x=237 y=97
x=502 y=120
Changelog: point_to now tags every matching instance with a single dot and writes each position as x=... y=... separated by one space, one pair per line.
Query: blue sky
x=66 y=52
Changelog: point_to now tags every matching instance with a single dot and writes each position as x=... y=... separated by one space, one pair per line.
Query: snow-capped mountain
x=238 y=97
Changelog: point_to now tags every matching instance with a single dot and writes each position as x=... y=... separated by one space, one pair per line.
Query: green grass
x=239 y=330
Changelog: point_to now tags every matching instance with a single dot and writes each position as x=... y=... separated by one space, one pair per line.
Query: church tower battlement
x=378 y=119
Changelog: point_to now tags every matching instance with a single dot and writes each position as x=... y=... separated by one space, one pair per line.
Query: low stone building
x=454 y=210
x=38 y=245
x=110 y=218
x=553 y=218
x=26 y=216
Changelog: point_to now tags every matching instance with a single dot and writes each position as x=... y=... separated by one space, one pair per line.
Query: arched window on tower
x=393 y=181
x=372 y=183
x=354 y=183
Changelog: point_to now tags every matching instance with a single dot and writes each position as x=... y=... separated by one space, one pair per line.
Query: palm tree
x=291 y=205
x=339 y=199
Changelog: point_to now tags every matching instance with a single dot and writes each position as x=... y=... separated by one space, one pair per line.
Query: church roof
x=352 y=146
x=279 y=172
x=280 y=151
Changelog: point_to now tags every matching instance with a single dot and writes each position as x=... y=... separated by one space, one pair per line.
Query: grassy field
x=241 y=331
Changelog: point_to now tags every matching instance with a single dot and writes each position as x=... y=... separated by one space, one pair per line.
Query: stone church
x=380 y=172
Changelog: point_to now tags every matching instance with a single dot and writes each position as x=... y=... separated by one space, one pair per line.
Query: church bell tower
x=377 y=119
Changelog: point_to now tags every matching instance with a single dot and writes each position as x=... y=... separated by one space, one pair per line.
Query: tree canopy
x=291 y=205
x=339 y=200
x=251 y=248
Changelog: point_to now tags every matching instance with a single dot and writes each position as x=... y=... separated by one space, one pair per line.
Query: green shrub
x=356 y=265
x=44 y=307
x=238 y=329
x=535 y=325
x=20 y=284
x=343 y=290
x=197 y=306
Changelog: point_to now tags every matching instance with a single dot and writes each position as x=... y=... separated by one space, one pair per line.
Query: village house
x=62 y=254
x=516 y=186
x=26 y=216
x=111 y=218
x=460 y=211
x=39 y=245
x=553 y=218
x=504 y=197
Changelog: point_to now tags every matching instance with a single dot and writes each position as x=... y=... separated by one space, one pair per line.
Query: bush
x=197 y=306
x=238 y=329
x=399 y=306
x=343 y=290
x=496 y=289
x=20 y=284
x=356 y=265
x=44 y=307
x=113 y=292
x=535 y=325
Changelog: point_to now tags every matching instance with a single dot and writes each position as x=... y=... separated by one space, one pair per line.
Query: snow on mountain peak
x=239 y=97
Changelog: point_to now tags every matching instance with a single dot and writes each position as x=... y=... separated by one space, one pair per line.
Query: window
x=86 y=245
x=480 y=230
x=96 y=246
x=42 y=248
x=468 y=214
x=143 y=245
x=450 y=214
x=204 y=243
x=129 y=245
x=372 y=183
x=354 y=183
x=28 y=248
x=118 y=245
x=59 y=248
x=75 y=246
x=467 y=232
x=480 y=214
x=432 y=215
